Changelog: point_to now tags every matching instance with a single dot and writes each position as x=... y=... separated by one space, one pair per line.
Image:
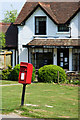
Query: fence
x=5 y=59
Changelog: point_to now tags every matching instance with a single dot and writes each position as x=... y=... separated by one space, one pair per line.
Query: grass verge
x=3 y=82
x=45 y=100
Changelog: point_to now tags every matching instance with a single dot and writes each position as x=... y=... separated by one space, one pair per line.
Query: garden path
x=11 y=115
x=10 y=84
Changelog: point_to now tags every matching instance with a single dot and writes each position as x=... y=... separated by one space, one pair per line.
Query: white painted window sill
x=39 y=35
x=63 y=33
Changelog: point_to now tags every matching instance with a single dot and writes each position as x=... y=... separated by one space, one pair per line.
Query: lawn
x=42 y=100
x=3 y=82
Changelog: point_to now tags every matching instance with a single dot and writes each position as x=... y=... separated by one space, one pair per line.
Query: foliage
x=9 y=67
x=6 y=73
x=49 y=73
x=10 y=16
x=79 y=73
x=33 y=74
x=75 y=82
x=2 y=39
x=15 y=73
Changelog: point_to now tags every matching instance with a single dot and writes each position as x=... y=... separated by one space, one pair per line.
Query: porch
x=62 y=52
x=67 y=58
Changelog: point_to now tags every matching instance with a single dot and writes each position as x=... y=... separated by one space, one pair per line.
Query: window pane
x=63 y=28
x=61 y=54
x=61 y=64
x=40 y=25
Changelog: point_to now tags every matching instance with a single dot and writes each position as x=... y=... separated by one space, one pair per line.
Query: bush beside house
x=33 y=74
x=12 y=74
x=6 y=73
x=15 y=73
x=49 y=73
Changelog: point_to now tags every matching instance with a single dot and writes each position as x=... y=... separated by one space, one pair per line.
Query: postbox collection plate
x=22 y=76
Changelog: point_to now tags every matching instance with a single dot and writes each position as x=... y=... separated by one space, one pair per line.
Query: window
x=40 y=25
x=63 y=28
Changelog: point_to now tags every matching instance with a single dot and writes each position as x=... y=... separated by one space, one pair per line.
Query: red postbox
x=25 y=73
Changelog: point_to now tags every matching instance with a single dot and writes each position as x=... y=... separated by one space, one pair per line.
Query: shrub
x=6 y=73
x=49 y=73
x=76 y=82
x=15 y=73
x=33 y=74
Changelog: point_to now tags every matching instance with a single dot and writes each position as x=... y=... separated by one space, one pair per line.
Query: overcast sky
x=6 y=5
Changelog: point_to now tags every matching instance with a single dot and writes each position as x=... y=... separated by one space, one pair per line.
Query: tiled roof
x=11 y=34
x=59 y=12
x=54 y=42
x=4 y=27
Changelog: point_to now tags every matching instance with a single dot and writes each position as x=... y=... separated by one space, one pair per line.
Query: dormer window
x=40 y=25
x=63 y=28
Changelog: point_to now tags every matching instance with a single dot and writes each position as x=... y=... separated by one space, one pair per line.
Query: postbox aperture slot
x=23 y=66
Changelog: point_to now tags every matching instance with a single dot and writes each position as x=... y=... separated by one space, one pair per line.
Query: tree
x=2 y=40
x=10 y=16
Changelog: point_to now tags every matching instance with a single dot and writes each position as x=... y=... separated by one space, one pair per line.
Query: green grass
x=3 y=82
x=0 y=72
x=64 y=100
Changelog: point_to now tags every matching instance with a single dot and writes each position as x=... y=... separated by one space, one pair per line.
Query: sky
x=18 y=4
x=6 y=5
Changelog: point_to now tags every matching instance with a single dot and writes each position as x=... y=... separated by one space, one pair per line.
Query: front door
x=63 y=58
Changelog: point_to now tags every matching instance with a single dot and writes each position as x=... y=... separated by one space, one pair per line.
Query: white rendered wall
x=75 y=26
x=70 y=59
x=55 y=56
x=13 y=57
x=16 y=57
x=79 y=24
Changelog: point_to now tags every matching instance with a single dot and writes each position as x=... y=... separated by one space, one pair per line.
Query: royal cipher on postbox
x=25 y=73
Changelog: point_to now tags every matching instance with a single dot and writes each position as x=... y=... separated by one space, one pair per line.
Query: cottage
x=49 y=33
x=11 y=36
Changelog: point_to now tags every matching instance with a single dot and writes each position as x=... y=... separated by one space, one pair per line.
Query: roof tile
x=59 y=12
x=54 y=42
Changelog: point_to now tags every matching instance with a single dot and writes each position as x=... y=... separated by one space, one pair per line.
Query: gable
x=59 y=12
